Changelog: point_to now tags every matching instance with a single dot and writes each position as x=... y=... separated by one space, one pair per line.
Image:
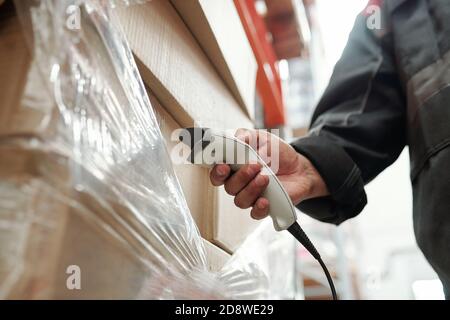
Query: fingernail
x=261 y=205
x=242 y=137
x=261 y=181
x=220 y=171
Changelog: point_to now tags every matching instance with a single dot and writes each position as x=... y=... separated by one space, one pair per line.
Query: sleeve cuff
x=342 y=177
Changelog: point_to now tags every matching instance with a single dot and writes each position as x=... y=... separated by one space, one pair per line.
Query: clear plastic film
x=263 y=267
x=86 y=182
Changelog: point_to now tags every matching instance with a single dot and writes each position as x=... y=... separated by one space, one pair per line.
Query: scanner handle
x=236 y=153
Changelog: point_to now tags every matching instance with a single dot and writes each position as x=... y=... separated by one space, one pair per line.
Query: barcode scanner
x=210 y=147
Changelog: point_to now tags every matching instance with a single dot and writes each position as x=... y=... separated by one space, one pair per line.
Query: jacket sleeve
x=358 y=128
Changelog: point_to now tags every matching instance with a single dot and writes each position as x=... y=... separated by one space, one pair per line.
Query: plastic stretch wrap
x=263 y=267
x=86 y=183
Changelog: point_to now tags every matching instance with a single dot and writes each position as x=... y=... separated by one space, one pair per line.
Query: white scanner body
x=210 y=147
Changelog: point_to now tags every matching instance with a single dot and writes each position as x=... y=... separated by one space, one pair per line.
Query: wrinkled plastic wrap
x=86 y=180
x=263 y=267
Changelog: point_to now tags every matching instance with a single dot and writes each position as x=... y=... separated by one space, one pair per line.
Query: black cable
x=330 y=280
x=301 y=236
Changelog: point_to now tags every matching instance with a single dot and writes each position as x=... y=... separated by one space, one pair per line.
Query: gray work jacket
x=391 y=88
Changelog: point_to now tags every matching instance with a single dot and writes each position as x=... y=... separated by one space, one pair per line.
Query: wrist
x=311 y=183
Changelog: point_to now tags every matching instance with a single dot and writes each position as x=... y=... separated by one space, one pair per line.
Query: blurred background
x=373 y=256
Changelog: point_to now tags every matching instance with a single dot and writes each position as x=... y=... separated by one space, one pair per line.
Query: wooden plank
x=218 y=29
x=176 y=69
x=194 y=180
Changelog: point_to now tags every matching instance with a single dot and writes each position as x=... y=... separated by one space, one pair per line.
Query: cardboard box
x=55 y=213
x=58 y=214
x=50 y=223
x=214 y=211
x=218 y=29
x=176 y=69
